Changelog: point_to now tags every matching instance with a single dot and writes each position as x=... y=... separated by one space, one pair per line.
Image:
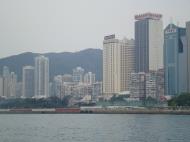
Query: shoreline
x=94 y=111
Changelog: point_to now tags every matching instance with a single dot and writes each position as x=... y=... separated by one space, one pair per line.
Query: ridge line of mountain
x=60 y=63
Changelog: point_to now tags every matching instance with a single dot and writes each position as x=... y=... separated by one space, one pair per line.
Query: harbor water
x=94 y=128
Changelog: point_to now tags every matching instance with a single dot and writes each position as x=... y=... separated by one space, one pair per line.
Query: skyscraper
x=41 y=76
x=188 y=51
x=28 y=81
x=6 y=81
x=1 y=86
x=78 y=74
x=118 y=63
x=148 y=42
x=13 y=84
x=175 y=60
x=89 y=78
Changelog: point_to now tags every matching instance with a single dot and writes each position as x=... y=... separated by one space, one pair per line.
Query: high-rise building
x=6 y=81
x=96 y=90
x=144 y=85
x=13 y=84
x=1 y=86
x=138 y=85
x=148 y=42
x=28 y=81
x=175 y=60
x=160 y=83
x=188 y=52
x=150 y=85
x=89 y=78
x=19 y=90
x=57 y=86
x=6 y=72
x=78 y=74
x=41 y=76
x=118 y=63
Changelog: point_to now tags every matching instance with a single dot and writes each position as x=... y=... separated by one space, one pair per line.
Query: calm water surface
x=94 y=128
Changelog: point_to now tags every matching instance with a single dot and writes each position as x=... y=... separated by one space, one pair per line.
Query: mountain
x=59 y=63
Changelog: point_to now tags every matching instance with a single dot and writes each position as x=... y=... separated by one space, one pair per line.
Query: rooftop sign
x=153 y=16
x=109 y=37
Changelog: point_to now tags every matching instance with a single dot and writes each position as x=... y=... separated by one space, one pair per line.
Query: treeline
x=52 y=102
x=181 y=100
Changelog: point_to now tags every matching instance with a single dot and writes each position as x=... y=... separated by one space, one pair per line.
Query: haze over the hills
x=60 y=63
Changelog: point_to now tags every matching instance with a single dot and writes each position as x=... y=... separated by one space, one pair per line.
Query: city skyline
x=54 y=27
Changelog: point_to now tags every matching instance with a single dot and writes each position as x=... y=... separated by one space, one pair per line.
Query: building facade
x=13 y=84
x=138 y=85
x=118 y=63
x=1 y=86
x=78 y=74
x=67 y=78
x=148 y=42
x=89 y=78
x=150 y=85
x=28 y=81
x=6 y=81
x=175 y=60
x=41 y=76
x=188 y=52
x=97 y=90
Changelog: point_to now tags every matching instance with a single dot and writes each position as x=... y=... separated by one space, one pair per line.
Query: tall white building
x=41 y=76
x=28 y=81
x=78 y=74
x=89 y=78
x=118 y=63
x=6 y=81
x=1 y=86
x=13 y=84
x=149 y=39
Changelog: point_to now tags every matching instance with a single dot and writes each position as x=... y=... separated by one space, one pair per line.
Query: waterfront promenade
x=99 y=110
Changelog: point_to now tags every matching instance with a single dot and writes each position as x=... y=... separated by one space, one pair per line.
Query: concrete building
x=89 y=78
x=19 y=90
x=13 y=84
x=118 y=63
x=28 y=81
x=41 y=76
x=175 y=60
x=67 y=88
x=150 y=85
x=1 y=86
x=160 y=83
x=144 y=85
x=67 y=78
x=6 y=81
x=57 y=86
x=96 y=90
x=148 y=42
x=78 y=74
x=137 y=85
x=188 y=52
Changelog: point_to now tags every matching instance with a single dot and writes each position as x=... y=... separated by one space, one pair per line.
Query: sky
x=72 y=25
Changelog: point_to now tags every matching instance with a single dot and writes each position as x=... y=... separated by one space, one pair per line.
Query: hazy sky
x=73 y=25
